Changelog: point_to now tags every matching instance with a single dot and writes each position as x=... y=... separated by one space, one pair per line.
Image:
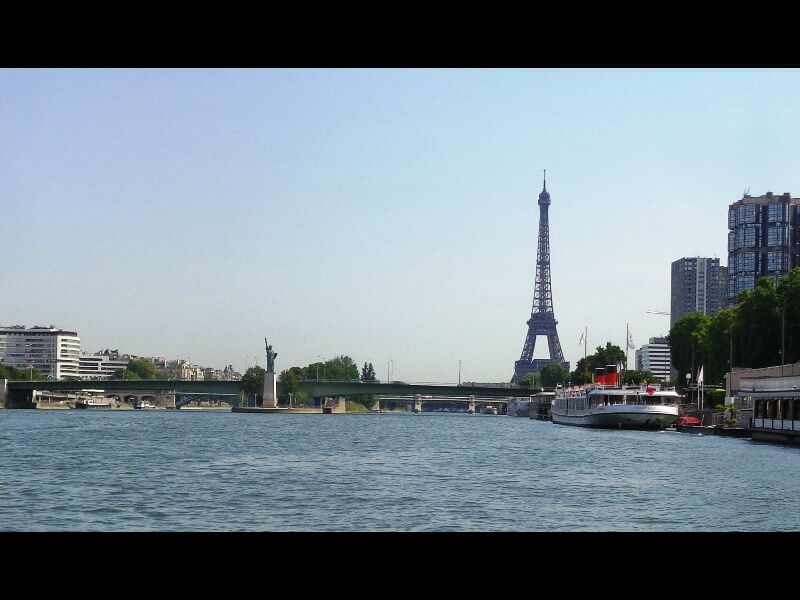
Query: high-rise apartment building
x=763 y=240
x=51 y=351
x=698 y=284
x=655 y=357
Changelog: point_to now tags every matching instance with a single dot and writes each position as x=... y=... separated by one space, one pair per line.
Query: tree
x=531 y=380
x=715 y=346
x=139 y=368
x=756 y=331
x=290 y=381
x=788 y=292
x=368 y=372
x=341 y=368
x=686 y=341
x=637 y=377
x=554 y=375
x=14 y=373
x=610 y=355
x=253 y=380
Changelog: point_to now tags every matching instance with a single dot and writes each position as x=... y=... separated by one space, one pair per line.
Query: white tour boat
x=605 y=404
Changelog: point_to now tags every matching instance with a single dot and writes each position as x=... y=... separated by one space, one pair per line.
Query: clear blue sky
x=375 y=213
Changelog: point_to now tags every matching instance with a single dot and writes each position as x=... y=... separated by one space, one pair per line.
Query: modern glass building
x=698 y=284
x=51 y=351
x=763 y=240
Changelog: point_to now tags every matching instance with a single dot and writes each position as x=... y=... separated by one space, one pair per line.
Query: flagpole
x=627 y=345
x=585 y=344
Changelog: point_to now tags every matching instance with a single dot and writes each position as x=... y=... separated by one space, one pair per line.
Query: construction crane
x=658 y=312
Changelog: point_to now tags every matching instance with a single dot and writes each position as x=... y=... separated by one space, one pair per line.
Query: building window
x=751 y=236
x=777 y=235
x=747 y=213
x=776 y=261
x=778 y=212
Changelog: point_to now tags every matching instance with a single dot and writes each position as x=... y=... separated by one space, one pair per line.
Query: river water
x=99 y=470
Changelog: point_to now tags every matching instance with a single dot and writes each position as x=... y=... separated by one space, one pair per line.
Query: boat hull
x=621 y=417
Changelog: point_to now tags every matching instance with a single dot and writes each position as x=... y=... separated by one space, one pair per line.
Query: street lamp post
x=783 y=337
x=459 y=372
x=688 y=380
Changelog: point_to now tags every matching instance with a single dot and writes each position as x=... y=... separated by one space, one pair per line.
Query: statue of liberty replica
x=270 y=389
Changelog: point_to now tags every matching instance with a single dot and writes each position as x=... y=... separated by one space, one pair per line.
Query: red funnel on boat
x=599 y=375
x=611 y=375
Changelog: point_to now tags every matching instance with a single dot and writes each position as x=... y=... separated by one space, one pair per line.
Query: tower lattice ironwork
x=543 y=320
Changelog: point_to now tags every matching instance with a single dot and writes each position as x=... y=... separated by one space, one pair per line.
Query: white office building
x=655 y=357
x=53 y=352
x=102 y=365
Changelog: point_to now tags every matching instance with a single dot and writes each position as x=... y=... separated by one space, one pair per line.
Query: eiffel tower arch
x=543 y=320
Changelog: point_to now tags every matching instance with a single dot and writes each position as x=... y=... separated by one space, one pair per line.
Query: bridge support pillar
x=270 y=391
x=471 y=407
x=3 y=388
x=418 y=403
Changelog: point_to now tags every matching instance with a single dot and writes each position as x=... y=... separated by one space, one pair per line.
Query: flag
x=631 y=345
x=581 y=340
x=651 y=390
x=700 y=376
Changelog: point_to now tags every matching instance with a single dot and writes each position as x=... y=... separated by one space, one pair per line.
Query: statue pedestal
x=270 y=391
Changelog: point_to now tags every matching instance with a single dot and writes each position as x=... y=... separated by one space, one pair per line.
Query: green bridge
x=312 y=388
x=20 y=391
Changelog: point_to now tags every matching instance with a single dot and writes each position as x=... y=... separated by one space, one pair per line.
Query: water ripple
x=173 y=471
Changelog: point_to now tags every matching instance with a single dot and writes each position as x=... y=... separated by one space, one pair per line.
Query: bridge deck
x=312 y=388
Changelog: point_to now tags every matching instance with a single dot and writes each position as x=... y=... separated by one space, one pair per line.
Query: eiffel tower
x=542 y=321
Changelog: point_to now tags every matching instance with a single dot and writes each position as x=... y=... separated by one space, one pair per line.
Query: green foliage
x=341 y=368
x=358 y=407
x=368 y=372
x=553 y=375
x=758 y=324
x=638 y=377
x=290 y=380
x=18 y=374
x=789 y=299
x=685 y=340
x=253 y=380
x=145 y=369
x=139 y=368
x=610 y=355
x=751 y=329
x=713 y=397
x=531 y=380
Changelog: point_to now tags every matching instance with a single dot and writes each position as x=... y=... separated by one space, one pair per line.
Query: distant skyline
x=379 y=213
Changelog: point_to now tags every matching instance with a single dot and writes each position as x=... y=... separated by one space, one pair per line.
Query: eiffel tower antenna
x=542 y=321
